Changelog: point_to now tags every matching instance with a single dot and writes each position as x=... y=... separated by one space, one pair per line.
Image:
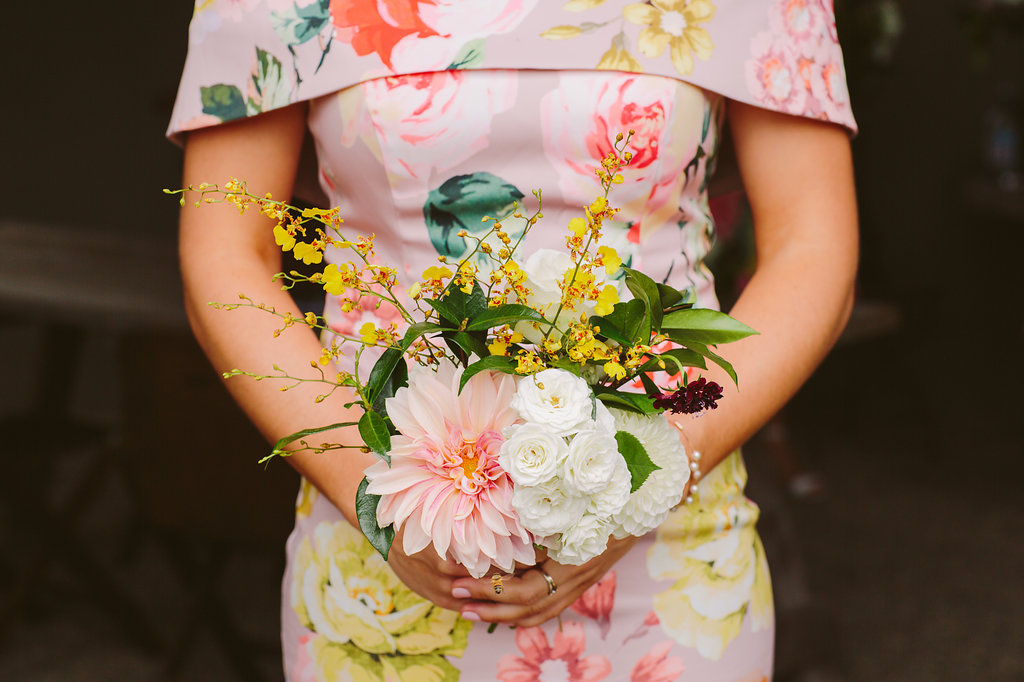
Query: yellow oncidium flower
x=578 y=226
x=436 y=272
x=466 y=277
x=309 y=254
x=368 y=334
x=552 y=346
x=613 y=369
x=414 y=291
x=310 y=319
x=609 y=258
x=337 y=278
x=284 y=238
x=498 y=347
x=527 y=362
x=598 y=205
x=606 y=300
x=514 y=273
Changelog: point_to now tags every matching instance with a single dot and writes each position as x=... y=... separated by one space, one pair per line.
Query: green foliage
x=366 y=512
x=637 y=460
x=374 y=432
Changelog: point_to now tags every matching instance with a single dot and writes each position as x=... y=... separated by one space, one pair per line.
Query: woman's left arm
x=798 y=178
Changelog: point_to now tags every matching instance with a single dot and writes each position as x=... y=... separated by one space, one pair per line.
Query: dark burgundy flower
x=692 y=398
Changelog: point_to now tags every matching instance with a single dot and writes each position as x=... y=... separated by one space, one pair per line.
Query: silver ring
x=547 y=578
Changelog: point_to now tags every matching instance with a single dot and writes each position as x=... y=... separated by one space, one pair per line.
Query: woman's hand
x=427 y=574
x=525 y=598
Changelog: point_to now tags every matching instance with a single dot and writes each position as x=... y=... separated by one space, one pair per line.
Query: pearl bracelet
x=693 y=488
x=695 y=475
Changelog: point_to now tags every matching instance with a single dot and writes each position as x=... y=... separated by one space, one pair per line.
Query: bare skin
x=799 y=180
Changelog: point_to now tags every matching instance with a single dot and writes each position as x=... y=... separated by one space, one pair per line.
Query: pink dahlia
x=444 y=485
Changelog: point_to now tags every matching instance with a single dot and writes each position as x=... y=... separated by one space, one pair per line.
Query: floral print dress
x=428 y=115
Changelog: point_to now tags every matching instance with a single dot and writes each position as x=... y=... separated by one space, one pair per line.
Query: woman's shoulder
x=250 y=56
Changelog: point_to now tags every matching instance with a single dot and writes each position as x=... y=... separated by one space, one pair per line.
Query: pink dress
x=428 y=115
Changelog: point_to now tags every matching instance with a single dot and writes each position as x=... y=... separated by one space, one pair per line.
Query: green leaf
x=374 y=432
x=366 y=511
x=446 y=309
x=470 y=343
x=508 y=313
x=709 y=327
x=269 y=89
x=679 y=358
x=644 y=289
x=297 y=25
x=415 y=331
x=470 y=55
x=399 y=378
x=633 y=402
x=637 y=460
x=461 y=203
x=624 y=324
x=496 y=363
x=299 y=435
x=381 y=373
x=701 y=349
x=457 y=306
x=668 y=295
x=223 y=101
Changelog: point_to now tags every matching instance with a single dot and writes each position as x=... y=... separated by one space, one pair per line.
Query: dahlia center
x=470 y=462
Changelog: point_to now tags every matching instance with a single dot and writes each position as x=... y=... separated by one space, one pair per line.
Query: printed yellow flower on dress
x=617 y=58
x=365 y=621
x=673 y=24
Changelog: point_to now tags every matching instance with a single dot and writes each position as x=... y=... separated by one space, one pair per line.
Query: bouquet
x=517 y=407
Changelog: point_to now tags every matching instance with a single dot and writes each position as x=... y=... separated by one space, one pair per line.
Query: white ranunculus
x=580 y=543
x=530 y=454
x=546 y=510
x=664 y=488
x=591 y=460
x=556 y=399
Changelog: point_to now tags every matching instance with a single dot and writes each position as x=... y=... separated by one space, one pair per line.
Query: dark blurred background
x=141 y=541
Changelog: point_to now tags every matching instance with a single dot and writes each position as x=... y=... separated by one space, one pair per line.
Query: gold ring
x=496 y=583
x=547 y=578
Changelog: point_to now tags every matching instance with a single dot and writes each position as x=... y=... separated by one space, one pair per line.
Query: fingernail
x=460 y=593
x=469 y=615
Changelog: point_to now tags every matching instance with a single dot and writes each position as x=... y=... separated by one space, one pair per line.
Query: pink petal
x=533 y=643
x=570 y=642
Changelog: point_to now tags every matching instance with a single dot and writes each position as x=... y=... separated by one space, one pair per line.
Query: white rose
x=554 y=398
x=544 y=268
x=530 y=454
x=546 y=509
x=610 y=500
x=592 y=459
x=580 y=543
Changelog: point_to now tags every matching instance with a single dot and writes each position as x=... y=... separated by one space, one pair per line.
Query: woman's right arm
x=224 y=253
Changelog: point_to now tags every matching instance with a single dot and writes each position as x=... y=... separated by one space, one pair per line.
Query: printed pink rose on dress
x=415 y=117
x=562 y=659
x=617 y=103
x=422 y=35
x=797 y=66
x=444 y=485
x=773 y=75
